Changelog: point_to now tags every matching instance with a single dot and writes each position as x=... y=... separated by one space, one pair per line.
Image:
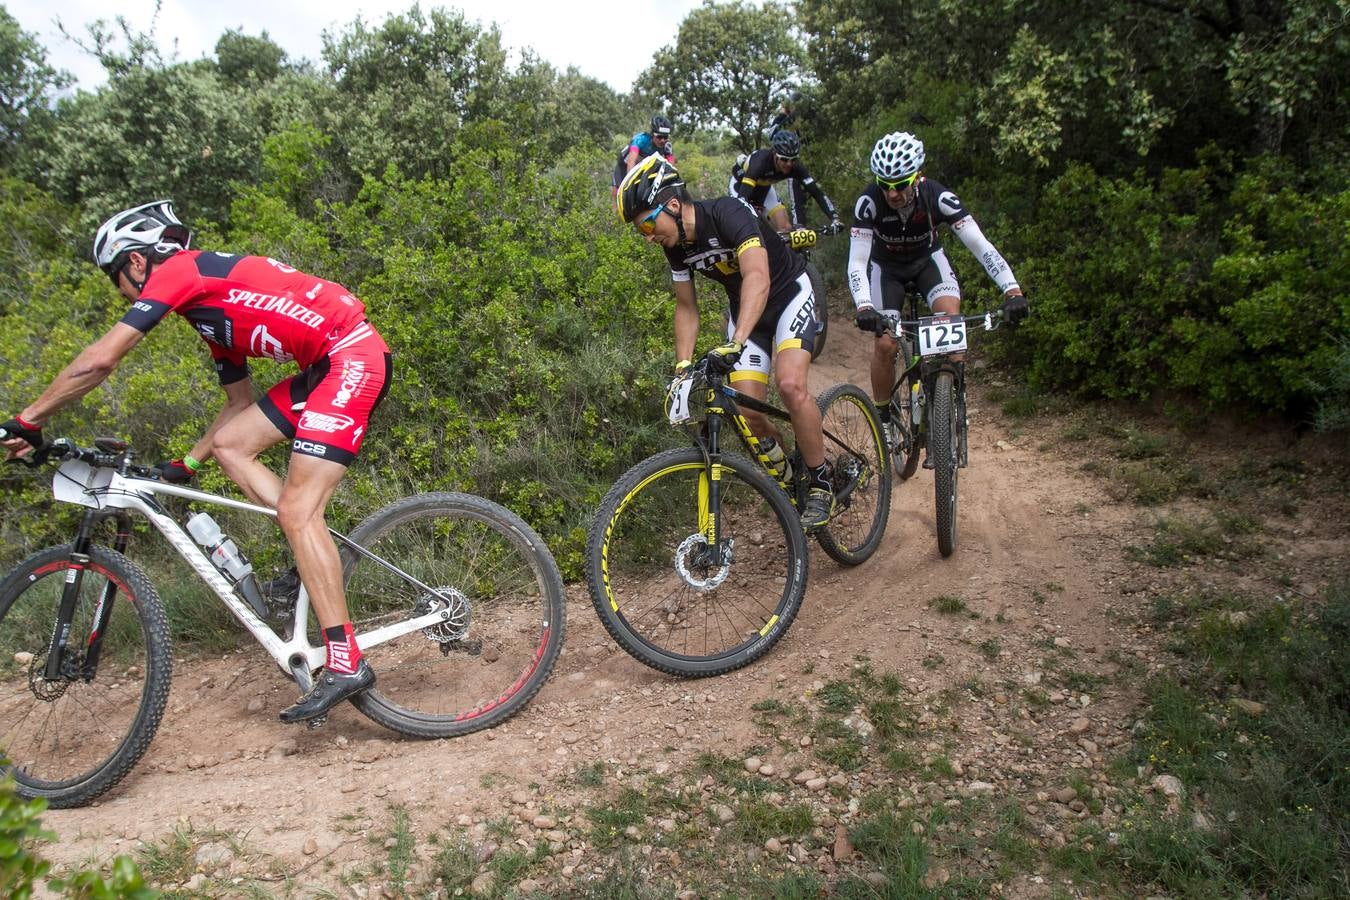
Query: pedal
x=316 y=722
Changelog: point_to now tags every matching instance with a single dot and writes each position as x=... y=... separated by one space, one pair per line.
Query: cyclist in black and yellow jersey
x=772 y=306
x=754 y=180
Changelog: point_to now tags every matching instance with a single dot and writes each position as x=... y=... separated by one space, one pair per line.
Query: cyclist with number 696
x=895 y=242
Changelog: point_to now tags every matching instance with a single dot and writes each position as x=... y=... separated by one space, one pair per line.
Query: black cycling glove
x=723 y=359
x=868 y=319
x=1015 y=309
x=17 y=428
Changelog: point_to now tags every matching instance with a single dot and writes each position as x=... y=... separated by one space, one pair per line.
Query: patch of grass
x=1136 y=443
x=400 y=844
x=1179 y=541
x=608 y=820
x=990 y=648
x=758 y=820
x=947 y=605
x=888 y=842
x=1274 y=780
x=456 y=864
x=933 y=660
x=902 y=760
x=941 y=767
x=1024 y=404
x=838 y=696
x=170 y=859
x=590 y=774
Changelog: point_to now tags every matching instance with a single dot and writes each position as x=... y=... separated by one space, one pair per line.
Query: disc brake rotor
x=456 y=623
x=693 y=561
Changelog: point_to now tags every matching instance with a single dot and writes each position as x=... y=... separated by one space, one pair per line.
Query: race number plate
x=941 y=334
x=677 y=400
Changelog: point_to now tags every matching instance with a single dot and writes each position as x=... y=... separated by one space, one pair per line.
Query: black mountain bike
x=928 y=404
x=696 y=558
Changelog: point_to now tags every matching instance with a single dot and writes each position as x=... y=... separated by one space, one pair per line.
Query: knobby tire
x=484 y=665
x=707 y=619
x=71 y=740
x=943 y=434
x=859 y=457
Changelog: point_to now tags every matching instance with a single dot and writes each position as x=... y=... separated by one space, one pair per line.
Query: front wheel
x=855 y=448
x=666 y=593
x=822 y=309
x=944 y=430
x=503 y=597
x=72 y=738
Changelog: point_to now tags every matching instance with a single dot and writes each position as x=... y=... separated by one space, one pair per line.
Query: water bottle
x=777 y=459
x=916 y=403
x=225 y=556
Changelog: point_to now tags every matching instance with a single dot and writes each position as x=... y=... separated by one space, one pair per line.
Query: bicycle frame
x=723 y=403
x=109 y=493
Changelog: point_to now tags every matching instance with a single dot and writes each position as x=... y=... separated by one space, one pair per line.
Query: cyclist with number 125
x=249 y=306
x=895 y=241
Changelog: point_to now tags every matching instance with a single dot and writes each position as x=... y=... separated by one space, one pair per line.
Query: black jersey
x=906 y=235
x=758 y=174
x=723 y=228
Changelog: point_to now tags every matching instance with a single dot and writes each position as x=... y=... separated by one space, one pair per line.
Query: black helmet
x=660 y=126
x=786 y=144
x=650 y=183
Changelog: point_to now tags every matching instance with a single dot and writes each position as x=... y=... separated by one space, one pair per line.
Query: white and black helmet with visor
x=151 y=228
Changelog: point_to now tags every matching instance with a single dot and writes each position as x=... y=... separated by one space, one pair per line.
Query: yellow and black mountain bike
x=696 y=558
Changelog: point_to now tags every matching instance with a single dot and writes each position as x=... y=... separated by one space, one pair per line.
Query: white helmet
x=897 y=155
x=150 y=227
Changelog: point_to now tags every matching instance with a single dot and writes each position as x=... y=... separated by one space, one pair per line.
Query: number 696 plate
x=941 y=334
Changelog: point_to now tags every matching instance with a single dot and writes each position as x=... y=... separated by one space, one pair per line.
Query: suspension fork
x=70 y=593
x=103 y=612
x=710 y=488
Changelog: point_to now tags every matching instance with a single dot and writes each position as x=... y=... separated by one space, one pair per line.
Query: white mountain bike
x=457 y=603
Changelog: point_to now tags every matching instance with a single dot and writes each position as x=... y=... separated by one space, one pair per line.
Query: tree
x=241 y=57
x=728 y=69
x=27 y=84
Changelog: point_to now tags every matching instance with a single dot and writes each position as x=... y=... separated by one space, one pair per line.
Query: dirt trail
x=1038 y=561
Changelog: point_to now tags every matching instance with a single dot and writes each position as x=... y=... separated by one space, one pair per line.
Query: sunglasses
x=647 y=224
x=898 y=185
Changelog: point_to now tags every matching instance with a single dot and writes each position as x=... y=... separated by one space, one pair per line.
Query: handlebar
x=992 y=319
x=110 y=454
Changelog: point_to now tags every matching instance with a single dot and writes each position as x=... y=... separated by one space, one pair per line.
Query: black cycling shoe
x=283 y=590
x=927 y=461
x=818 y=509
x=330 y=689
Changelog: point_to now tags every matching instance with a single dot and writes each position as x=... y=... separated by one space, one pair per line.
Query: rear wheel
x=943 y=449
x=822 y=309
x=856 y=450
x=502 y=597
x=665 y=594
x=72 y=738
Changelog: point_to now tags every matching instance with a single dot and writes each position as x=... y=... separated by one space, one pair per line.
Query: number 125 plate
x=941 y=334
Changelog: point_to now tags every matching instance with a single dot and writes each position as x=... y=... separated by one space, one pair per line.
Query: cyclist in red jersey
x=250 y=306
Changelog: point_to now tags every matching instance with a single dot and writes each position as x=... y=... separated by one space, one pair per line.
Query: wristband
x=25 y=424
x=191 y=464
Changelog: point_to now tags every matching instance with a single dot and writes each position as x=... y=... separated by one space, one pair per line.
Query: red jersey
x=246 y=306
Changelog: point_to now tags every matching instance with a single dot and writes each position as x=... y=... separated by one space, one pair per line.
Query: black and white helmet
x=151 y=228
x=786 y=144
x=897 y=155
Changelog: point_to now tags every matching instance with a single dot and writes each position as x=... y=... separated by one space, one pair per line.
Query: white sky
x=612 y=40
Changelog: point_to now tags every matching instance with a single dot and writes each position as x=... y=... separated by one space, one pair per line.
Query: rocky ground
x=970 y=712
